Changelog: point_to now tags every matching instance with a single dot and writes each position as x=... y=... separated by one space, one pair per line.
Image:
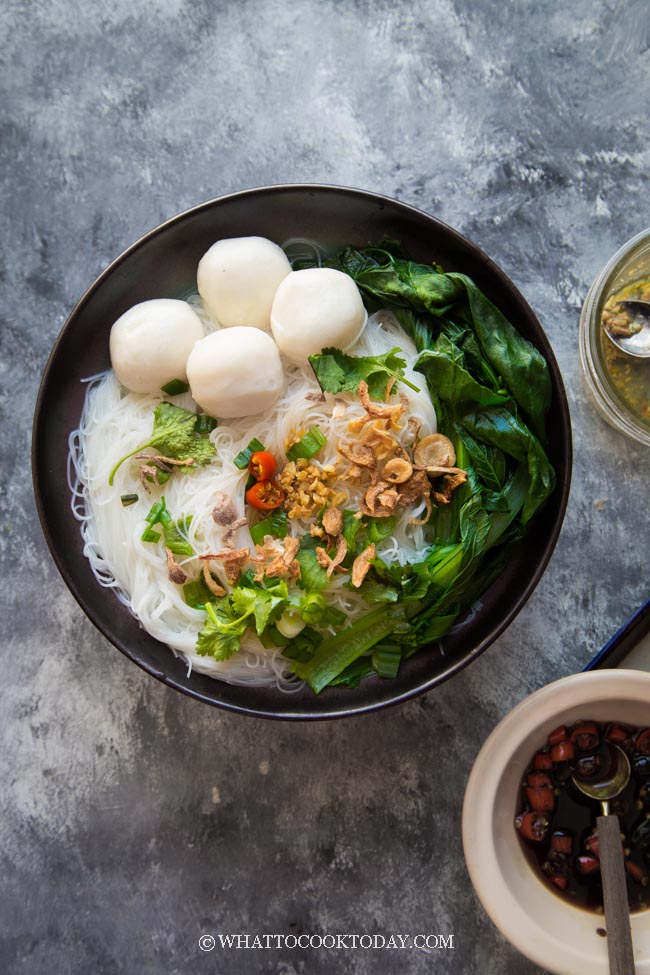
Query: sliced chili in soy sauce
x=557 y=823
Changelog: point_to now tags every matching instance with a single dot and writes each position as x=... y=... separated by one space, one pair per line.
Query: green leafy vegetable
x=381 y=528
x=308 y=445
x=174 y=435
x=351 y=526
x=312 y=575
x=335 y=653
x=453 y=300
x=276 y=525
x=303 y=646
x=513 y=357
x=491 y=389
x=338 y=372
x=196 y=594
x=175 y=536
x=352 y=675
x=444 y=367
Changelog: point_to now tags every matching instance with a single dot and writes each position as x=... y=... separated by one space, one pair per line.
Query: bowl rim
x=301 y=714
x=479 y=810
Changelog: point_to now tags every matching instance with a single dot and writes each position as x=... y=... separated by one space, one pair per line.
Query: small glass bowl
x=613 y=378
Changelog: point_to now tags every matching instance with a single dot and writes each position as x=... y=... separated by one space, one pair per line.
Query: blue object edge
x=623 y=641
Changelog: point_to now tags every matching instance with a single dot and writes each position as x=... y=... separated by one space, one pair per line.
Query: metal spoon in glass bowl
x=637 y=341
x=604 y=787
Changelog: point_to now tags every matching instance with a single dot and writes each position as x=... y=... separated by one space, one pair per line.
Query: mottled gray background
x=134 y=819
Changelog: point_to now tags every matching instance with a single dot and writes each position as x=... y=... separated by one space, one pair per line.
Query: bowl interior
x=163 y=265
x=542 y=925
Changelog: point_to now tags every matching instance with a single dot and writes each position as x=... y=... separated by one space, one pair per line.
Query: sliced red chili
x=636 y=872
x=642 y=742
x=616 y=733
x=593 y=845
x=563 y=752
x=265 y=495
x=560 y=734
x=585 y=736
x=540 y=799
x=588 y=865
x=539 y=779
x=562 y=842
x=543 y=760
x=533 y=826
x=560 y=882
x=262 y=465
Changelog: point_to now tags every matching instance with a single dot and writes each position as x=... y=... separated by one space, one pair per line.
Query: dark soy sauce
x=557 y=823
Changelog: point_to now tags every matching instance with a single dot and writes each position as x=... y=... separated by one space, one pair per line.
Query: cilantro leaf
x=222 y=631
x=338 y=372
x=259 y=603
x=174 y=435
x=228 y=618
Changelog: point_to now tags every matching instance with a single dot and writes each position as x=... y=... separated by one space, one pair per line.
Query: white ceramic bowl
x=544 y=927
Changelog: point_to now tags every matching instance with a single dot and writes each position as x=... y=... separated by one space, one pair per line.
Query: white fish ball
x=237 y=280
x=150 y=343
x=235 y=372
x=315 y=309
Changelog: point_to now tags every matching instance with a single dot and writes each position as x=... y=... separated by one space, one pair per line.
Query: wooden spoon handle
x=617 y=910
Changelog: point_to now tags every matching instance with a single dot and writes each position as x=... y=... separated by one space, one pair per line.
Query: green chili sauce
x=629 y=377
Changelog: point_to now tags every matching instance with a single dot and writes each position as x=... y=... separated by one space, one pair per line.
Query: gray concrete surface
x=134 y=820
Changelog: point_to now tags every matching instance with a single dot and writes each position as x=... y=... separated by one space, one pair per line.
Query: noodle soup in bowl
x=341 y=599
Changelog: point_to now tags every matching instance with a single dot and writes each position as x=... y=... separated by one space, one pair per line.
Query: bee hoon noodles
x=115 y=422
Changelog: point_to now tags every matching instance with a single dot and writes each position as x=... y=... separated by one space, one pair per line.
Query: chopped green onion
x=173 y=531
x=313 y=607
x=275 y=525
x=155 y=511
x=386 y=661
x=128 y=499
x=315 y=610
x=242 y=459
x=290 y=624
x=204 y=424
x=149 y=535
x=175 y=387
x=308 y=445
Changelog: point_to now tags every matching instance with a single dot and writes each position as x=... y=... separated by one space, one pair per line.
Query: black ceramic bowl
x=162 y=264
